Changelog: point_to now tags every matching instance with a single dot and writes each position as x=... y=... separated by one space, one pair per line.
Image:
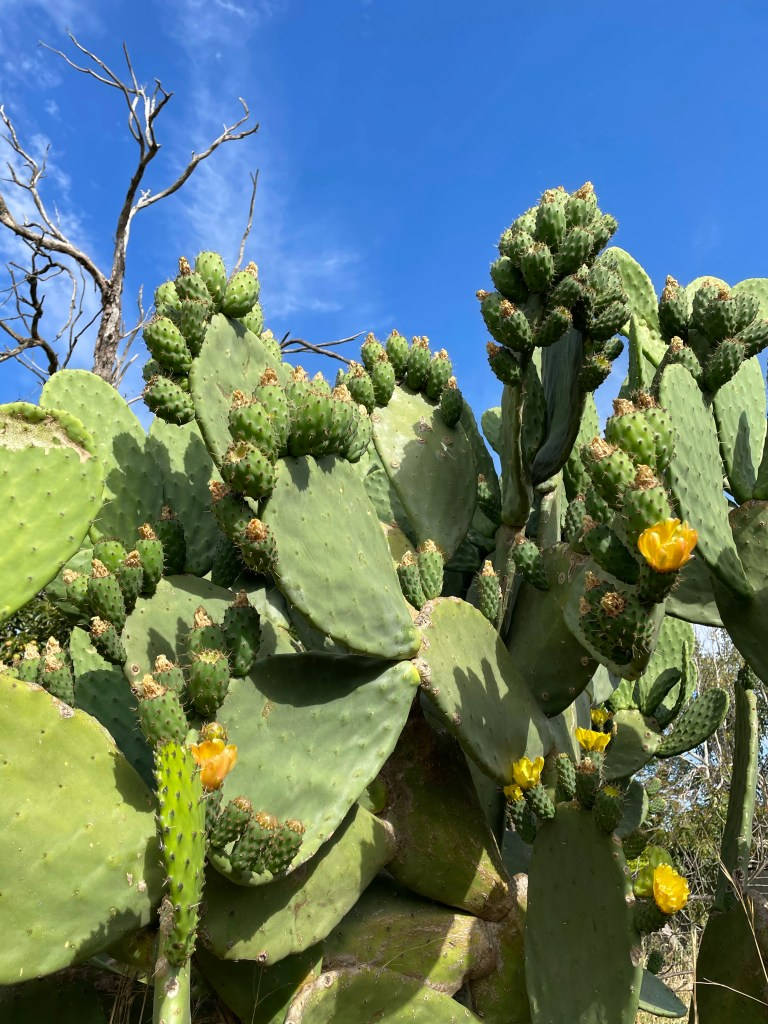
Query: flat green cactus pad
x=102 y=691
x=51 y=486
x=634 y=744
x=564 y=397
x=582 y=953
x=430 y=797
x=693 y=598
x=259 y=994
x=352 y=594
x=500 y=997
x=740 y=410
x=665 y=665
x=418 y=939
x=186 y=469
x=564 y=725
x=291 y=914
x=132 y=487
x=312 y=730
x=431 y=467
x=231 y=358
x=79 y=865
x=696 y=476
x=490 y=422
x=637 y=285
x=474 y=684
x=659 y=999
x=382 y=494
x=338 y=997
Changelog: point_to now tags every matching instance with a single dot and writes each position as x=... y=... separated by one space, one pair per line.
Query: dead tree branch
x=292 y=346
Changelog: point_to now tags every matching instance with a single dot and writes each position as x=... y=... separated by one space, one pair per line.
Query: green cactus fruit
x=729 y=314
x=506 y=322
x=704 y=298
x=537 y=266
x=634 y=844
x=227 y=566
x=609 y=808
x=397 y=353
x=438 y=375
x=508 y=280
x=615 y=623
x=431 y=565
x=168 y=675
x=28 y=665
x=643 y=430
x=698 y=722
x=320 y=384
x=213 y=799
x=451 y=403
x=168 y=401
x=250 y=421
x=540 y=802
x=371 y=351
x=566 y=777
x=189 y=284
x=754 y=337
x=553 y=327
x=488 y=500
x=515 y=244
x=528 y=824
x=106 y=640
x=272 y=396
x=603 y=230
x=258 y=547
x=410 y=580
x=653 y=787
x=241 y=293
x=551 y=222
x=574 y=251
x=76 y=589
x=674 y=311
x=596 y=506
x=193 y=318
x=488 y=592
x=55 y=673
x=383 y=379
x=588 y=778
x=343 y=419
x=208 y=681
x=573 y=294
x=150 y=551
x=360 y=386
x=528 y=562
x=610 y=469
x=181 y=827
x=655 y=961
x=242 y=628
x=504 y=364
x=229 y=510
x=250 y=852
x=130 y=579
x=644 y=503
x=677 y=352
x=581 y=206
x=723 y=363
x=648 y=917
x=360 y=438
x=166 y=344
x=608 y=321
x=104 y=595
x=595 y=369
x=253 y=321
x=167 y=300
x=417 y=367
x=170 y=533
x=205 y=634
x=574 y=521
x=609 y=551
x=248 y=470
x=231 y=823
x=110 y=552
x=210 y=266
x=161 y=715
x=284 y=846
x=657 y=806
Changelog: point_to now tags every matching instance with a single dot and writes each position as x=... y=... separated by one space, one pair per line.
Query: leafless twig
x=295 y=345
x=249 y=223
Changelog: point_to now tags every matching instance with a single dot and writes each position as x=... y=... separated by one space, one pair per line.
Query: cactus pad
x=740 y=413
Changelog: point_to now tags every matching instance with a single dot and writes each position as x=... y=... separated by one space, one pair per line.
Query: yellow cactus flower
x=600 y=716
x=668 y=545
x=216 y=760
x=590 y=739
x=527 y=773
x=513 y=792
x=670 y=890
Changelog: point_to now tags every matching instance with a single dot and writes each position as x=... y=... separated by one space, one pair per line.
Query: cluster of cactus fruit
x=350 y=725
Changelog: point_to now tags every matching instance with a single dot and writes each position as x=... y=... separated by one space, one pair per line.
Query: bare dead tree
x=292 y=346
x=53 y=253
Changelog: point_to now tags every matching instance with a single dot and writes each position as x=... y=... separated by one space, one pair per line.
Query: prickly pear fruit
x=110 y=552
x=284 y=846
x=189 y=284
x=417 y=367
x=170 y=533
x=168 y=675
x=504 y=364
x=488 y=592
x=566 y=777
x=161 y=715
x=166 y=344
x=167 y=300
x=554 y=326
x=528 y=562
x=250 y=851
x=508 y=280
x=150 y=551
x=192 y=319
x=55 y=673
x=723 y=363
x=431 y=564
x=550 y=218
x=643 y=430
x=438 y=374
x=634 y=844
x=231 y=823
x=210 y=266
x=208 y=681
x=29 y=664
x=272 y=396
x=540 y=803
x=609 y=807
x=397 y=352
x=258 y=547
x=361 y=436
x=370 y=352
x=360 y=386
x=104 y=595
x=250 y=421
x=204 y=635
x=610 y=469
x=107 y=641
x=588 y=778
x=674 y=311
x=383 y=380
x=130 y=578
x=76 y=589
x=609 y=551
x=248 y=470
x=242 y=628
x=537 y=267
x=645 y=502
x=168 y=401
x=229 y=510
x=506 y=322
x=451 y=403
x=241 y=293
x=410 y=580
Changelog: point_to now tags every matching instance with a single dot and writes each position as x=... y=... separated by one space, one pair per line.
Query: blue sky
x=398 y=138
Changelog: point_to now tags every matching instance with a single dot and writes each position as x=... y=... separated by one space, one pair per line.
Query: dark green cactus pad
x=490 y=422
x=564 y=397
x=635 y=809
x=231 y=358
x=259 y=994
x=352 y=594
x=659 y=999
x=574 y=474
x=693 y=599
x=633 y=746
x=51 y=483
x=664 y=668
x=336 y=997
x=391 y=928
x=431 y=467
x=475 y=685
x=186 y=468
x=696 y=724
x=637 y=285
x=430 y=794
x=293 y=913
x=132 y=488
x=581 y=903
x=740 y=413
x=382 y=494
x=291 y=720
x=563 y=726
x=695 y=476
x=85 y=863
